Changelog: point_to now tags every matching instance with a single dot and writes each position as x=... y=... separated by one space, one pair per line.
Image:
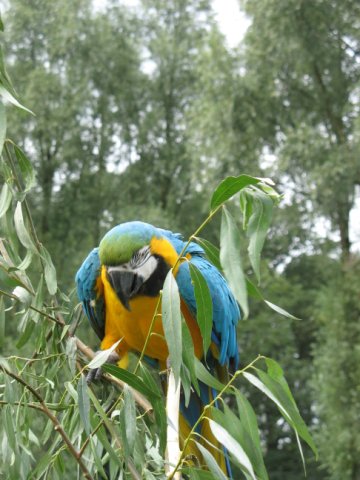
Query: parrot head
x=132 y=267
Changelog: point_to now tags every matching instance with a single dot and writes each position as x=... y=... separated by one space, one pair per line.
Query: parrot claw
x=97 y=373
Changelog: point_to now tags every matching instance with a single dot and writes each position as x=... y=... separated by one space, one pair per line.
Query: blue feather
x=93 y=305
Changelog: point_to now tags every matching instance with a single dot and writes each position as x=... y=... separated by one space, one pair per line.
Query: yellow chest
x=133 y=326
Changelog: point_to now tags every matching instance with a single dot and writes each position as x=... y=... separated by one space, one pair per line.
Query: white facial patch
x=142 y=263
x=146 y=269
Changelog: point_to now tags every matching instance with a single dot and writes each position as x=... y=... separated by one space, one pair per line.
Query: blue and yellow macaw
x=119 y=285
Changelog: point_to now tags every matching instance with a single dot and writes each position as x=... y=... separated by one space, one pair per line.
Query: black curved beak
x=125 y=283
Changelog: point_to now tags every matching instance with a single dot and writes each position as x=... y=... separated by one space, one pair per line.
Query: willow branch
x=205 y=410
x=25 y=203
x=89 y=354
x=57 y=425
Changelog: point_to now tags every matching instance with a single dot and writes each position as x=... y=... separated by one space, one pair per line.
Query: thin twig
x=51 y=406
x=197 y=231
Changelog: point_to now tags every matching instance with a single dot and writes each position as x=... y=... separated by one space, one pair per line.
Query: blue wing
x=226 y=312
x=87 y=288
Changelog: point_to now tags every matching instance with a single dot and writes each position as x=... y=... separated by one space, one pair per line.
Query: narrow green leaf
x=73 y=393
x=21 y=230
x=245 y=207
x=27 y=261
x=212 y=252
x=102 y=356
x=129 y=418
x=26 y=168
x=158 y=405
x=2 y=322
x=228 y=187
x=249 y=422
x=10 y=392
x=253 y=290
x=248 y=417
x=263 y=388
x=171 y=319
x=99 y=409
x=38 y=300
x=131 y=379
x=275 y=371
x=280 y=310
x=205 y=376
x=84 y=403
x=22 y=295
x=5 y=199
x=267 y=186
x=10 y=427
x=70 y=350
x=160 y=418
x=234 y=447
x=124 y=440
x=42 y=465
x=232 y=424
x=204 y=308
x=301 y=451
x=7 y=96
x=185 y=383
x=1 y=24
x=197 y=474
x=97 y=459
x=258 y=225
x=211 y=462
x=282 y=392
x=102 y=436
x=26 y=334
x=275 y=391
x=231 y=260
x=49 y=271
x=189 y=355
x=2 y=126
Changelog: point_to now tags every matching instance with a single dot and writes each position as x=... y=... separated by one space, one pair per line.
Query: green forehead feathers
x=120 y=243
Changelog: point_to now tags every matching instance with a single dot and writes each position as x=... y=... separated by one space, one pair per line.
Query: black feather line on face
x=140 y=257
x=129 y=284
x=155 y=282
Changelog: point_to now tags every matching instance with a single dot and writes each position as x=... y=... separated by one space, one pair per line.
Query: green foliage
x=138 y=116
x=79 y=423
x=335 y=379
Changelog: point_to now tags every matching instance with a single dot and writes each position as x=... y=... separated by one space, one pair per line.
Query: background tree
x=140 y=114
x=303 y=73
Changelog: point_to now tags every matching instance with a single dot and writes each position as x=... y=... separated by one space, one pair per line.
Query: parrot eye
x=140 y=257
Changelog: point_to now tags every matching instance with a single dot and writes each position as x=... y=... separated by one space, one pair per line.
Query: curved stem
x=197 y=231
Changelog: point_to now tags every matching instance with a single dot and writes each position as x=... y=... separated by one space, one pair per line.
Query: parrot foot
x=97 y=373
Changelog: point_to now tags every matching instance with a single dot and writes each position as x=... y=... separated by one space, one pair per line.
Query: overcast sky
x=232 y=21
